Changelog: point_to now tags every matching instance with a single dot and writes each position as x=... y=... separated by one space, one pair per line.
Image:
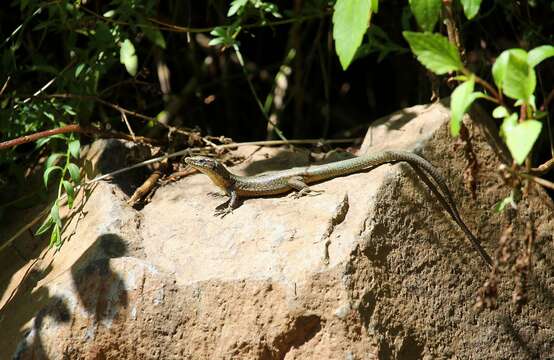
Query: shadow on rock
x=93 y=287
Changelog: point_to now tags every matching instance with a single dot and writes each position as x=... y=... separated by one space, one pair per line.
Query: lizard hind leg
x=302 y=189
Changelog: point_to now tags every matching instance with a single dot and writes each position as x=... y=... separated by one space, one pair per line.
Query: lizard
x=298 y=178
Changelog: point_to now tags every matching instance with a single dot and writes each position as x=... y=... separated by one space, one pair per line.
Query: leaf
x=74 y=148
x=68 y=109
x=462 y=97
x=520 y=80
x=499 y=66
x=236 y=5
x=471 y=8
x=350 y=22
x=521 y=138
x=224 y=36
x=47 y=224
x=426 y=12
x=109 y=13
x=42 y=141
x=501 y=205
x=74 y=172
x=434 y=52
x=507 y=125
x=500 y=112
x=128 y=57
x=49 y=115
x=55 y=237
x=55 y=214
x=47 y=174
x=539 y=54
x=70 y=192
x=154 y=34
x=52 y=159
x=374 y=6
x=79 y=69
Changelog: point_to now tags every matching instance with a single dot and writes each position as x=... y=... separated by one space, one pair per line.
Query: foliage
x=70 y=178
x=351 y=20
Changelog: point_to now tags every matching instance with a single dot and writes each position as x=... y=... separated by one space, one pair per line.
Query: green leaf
x=42 y=141
x=74 y=148
x=154 y=34
x=501 y=205
x=47 y=224
x=375 y=6
x=55 y=237
x=109 y=13
x=55 y=214
x=236 y=5
x=520 y=80
x=47 y=174
x=512 y=200
x=521 y=138
x=434 y=52
x=74 y=172
x=350 y=22
x=500 y=112
x=79 y=69
x=70 y=192
x=539 y=54
x=507 y=125
x=426 y=12
x=499 y=66
x=462 y=97
x=52 y=159
x=128 y=57
x=224 y=36
x=49 y=115
x=471 y=7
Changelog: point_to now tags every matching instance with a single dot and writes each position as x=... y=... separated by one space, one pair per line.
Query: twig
x=5 y=85
x=124 y=117
x=74 y=128
x=540 y=181
x=47 y=85
x=543 y=168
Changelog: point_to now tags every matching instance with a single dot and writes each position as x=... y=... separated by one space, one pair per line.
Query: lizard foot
x=223 y=212
x=306 y=192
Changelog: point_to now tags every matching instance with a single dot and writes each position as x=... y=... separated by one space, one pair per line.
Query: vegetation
x=182 y=73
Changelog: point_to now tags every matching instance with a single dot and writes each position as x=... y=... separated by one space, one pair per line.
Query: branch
x=74 y=128
x=543 y=168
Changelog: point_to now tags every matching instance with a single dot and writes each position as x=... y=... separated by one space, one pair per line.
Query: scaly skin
x=297 y=179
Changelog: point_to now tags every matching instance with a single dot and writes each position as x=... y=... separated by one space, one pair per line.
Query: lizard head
x=213 y=168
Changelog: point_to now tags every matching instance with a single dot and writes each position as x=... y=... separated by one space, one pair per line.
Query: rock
x=372 y=268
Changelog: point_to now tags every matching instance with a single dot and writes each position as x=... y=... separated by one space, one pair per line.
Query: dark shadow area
x=531 y=349
x=302 y=330
x=410 y=349
x=101 y=291
x=31 y=346
x=27 y=248
x=95 y=286
x=117 y=154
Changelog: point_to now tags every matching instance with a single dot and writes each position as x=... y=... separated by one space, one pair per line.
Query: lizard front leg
x=297 y=183
x=232 y=204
